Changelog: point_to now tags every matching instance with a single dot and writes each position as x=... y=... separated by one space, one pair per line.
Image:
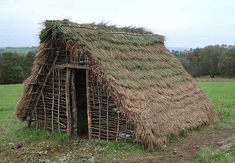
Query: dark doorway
x=81 y=99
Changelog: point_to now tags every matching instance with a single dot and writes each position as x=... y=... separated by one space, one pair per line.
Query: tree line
x=15 y=68
x=217 y=60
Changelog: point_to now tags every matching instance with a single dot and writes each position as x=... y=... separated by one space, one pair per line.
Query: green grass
x=10 y=127
x=9 y=94
x=119 y=149
x=117 y=145
x=222 y=94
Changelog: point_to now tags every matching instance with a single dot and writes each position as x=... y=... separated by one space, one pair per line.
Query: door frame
x=74 y=108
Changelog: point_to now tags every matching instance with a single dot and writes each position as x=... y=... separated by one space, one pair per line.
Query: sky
x=184 y=23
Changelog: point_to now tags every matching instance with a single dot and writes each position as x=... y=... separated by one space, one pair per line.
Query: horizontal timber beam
x=71 y=66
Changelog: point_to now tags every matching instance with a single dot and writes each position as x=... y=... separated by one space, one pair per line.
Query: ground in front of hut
x=213 y=143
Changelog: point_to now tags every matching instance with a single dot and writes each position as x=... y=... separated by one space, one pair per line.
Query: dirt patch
x=83 y=151
x=50 y=152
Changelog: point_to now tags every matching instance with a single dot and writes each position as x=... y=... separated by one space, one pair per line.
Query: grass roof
x=153 y=89
x=100 y=35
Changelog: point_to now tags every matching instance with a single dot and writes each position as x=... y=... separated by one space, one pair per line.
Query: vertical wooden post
x=88 y=104
x=53 y=101
x=36 y=117
x=92 y=109
x=126 y=129
x=68 y=109
x=107 y=114
x=98 y=90
x=118 y=126
x=66 y=54
x=93 y=100
x=58 y=109
x=53 y=95
x=74 y=104
x=45 y=113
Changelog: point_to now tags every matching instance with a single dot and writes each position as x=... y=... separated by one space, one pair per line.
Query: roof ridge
x=136 y=34
x=68 y=23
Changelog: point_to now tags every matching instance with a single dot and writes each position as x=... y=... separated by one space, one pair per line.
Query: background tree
x=226 y=64
x=193 y=58
x=209 y=59
x=10 y=69
x=27 y=62
x=217 y=60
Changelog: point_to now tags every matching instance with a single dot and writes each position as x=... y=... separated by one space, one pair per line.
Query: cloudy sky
x=185 y=23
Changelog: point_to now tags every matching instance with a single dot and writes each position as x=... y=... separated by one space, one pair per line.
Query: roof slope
x=154 y=90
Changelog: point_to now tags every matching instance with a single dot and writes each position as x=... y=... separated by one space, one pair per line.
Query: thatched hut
x=108 y=83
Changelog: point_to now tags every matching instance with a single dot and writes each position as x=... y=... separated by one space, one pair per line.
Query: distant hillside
x=19 y=50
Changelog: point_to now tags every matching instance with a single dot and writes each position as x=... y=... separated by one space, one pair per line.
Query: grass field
x=222 y=94
x=9 y=94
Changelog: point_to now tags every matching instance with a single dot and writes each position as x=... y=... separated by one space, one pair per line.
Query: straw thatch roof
x=153 y=89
